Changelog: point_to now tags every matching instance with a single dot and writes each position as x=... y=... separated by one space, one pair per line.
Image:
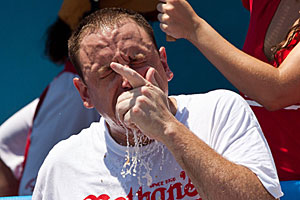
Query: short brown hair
x=103 y=18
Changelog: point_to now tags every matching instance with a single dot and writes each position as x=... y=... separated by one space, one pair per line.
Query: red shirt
x=282 y=127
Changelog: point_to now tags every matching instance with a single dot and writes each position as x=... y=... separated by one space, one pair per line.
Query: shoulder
x=66 y=154
x=221 y=105
x=232 y=107
x=225 y=105
x=66 y=150
x=67 y=158
x=227 y=98
x=222 y=93
x=220 y=97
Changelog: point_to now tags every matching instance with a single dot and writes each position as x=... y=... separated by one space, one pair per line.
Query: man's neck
x=173 y=105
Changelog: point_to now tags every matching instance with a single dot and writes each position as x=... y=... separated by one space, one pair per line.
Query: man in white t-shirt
x=149 y=145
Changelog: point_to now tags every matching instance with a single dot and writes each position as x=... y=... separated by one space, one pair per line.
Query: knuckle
x=168 y=8
x=135 y=110
x=165 y=26
x=165 y=17
x=141 y=99
x=145 y=90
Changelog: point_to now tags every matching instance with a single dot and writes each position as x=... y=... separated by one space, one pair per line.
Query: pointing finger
x=134 y=78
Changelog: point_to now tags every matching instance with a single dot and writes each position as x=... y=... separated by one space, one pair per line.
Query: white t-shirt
x=13 y=136
x=61 y=114
x=91 y=164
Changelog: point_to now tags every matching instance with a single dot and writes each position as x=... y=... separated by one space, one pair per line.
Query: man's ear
x=163 y=59
x=83 y=91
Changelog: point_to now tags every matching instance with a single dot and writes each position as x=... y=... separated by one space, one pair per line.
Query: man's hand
x=178 y=19
x=146 y=106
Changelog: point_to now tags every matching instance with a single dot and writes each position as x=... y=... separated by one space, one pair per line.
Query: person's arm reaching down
x=274 y=88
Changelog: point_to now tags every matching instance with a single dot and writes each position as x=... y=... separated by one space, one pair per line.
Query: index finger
x=134 y=78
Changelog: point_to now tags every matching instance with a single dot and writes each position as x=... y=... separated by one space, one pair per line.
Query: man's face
x=128 y=45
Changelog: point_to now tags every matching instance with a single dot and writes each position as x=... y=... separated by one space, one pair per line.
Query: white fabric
x=254 y=103
x=13 y=135
x=89 y=165
x=61 y=114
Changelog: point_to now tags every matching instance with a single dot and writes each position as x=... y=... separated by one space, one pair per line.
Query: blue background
x=26 y=71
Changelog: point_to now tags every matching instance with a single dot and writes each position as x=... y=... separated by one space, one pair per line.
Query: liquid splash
x=139 y=160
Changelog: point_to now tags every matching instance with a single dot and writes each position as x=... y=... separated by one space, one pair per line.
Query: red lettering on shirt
x=174 y=191
x=102 y=197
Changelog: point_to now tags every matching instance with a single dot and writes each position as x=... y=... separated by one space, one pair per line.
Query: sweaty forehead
x=129 y=30
x=125 y=38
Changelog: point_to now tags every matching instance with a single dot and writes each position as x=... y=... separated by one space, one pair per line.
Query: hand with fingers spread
x=178 y=19
x=146 y=106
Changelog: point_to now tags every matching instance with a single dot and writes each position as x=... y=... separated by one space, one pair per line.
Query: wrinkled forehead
x=121 y=36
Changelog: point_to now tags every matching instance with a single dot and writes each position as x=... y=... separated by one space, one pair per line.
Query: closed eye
x=104 y=71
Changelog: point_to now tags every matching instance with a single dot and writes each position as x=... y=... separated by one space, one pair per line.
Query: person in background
x=267 y=73
x=149 y=145
x=27 y=136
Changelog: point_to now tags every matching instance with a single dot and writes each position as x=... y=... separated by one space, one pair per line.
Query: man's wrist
x=174 y=136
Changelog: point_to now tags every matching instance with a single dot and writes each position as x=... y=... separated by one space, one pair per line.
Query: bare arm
x=213 y=176
x=274 y=88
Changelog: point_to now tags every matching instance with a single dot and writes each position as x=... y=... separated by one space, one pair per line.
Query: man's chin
x=127 y=129
x=137 y=137
x=133 y=133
